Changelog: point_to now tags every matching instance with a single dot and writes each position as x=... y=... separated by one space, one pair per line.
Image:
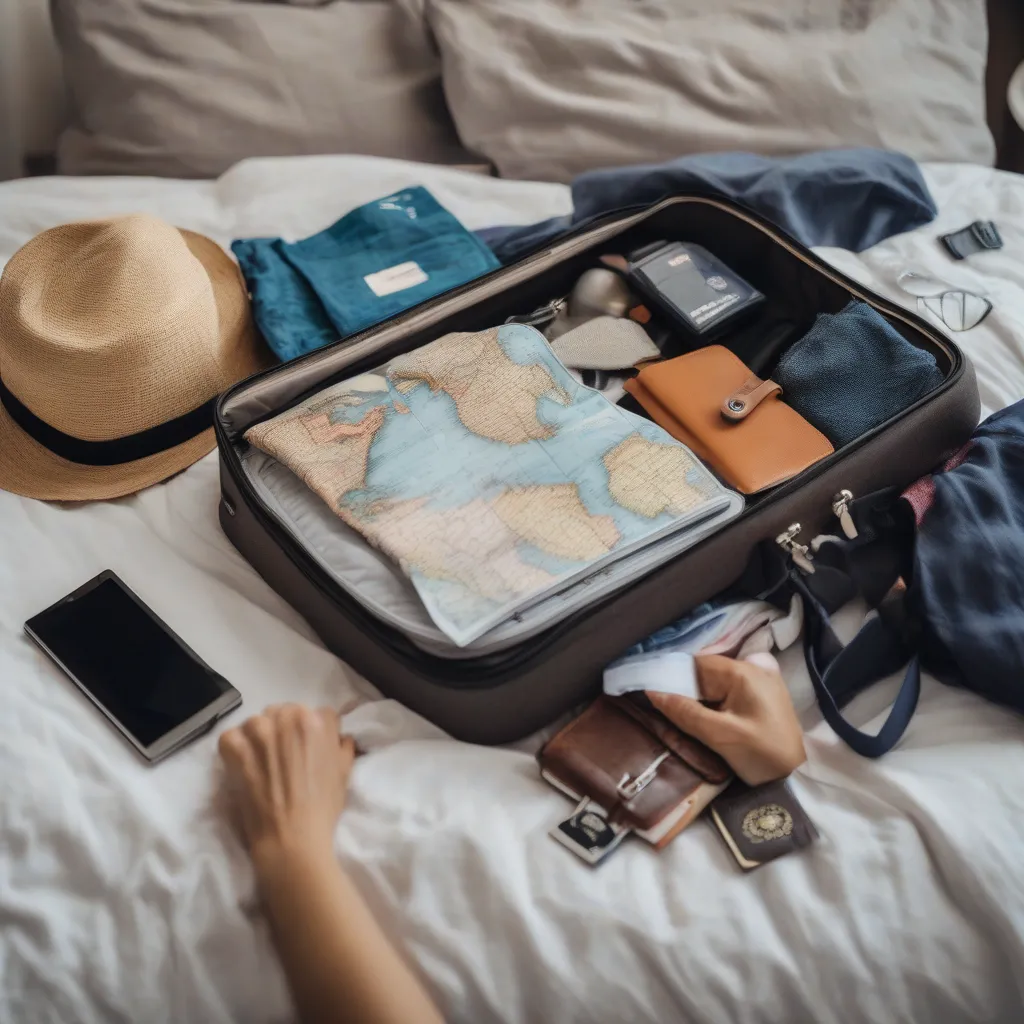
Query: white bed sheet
x=125 y=897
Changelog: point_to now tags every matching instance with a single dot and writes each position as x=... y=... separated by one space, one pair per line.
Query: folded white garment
x=663 y=671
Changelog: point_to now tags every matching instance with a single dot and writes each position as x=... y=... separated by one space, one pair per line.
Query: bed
x=125 y=896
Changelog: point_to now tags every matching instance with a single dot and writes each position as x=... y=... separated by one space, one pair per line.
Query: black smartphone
x=154 y=688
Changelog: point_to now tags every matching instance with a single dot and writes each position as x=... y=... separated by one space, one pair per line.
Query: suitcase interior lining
x=380 y=586
x=795 y=291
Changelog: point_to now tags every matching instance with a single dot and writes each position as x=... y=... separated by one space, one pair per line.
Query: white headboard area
x=31 y=90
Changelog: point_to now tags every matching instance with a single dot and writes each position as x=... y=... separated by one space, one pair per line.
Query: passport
x=761 y=823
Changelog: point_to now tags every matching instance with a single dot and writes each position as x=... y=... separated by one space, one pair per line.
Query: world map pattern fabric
x=488 y=474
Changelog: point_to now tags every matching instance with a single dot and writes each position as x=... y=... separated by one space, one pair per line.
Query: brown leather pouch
x=645 y=773
x=736 y=422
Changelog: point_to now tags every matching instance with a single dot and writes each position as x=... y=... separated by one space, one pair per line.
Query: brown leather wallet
x=645 y=773
x=729 y=417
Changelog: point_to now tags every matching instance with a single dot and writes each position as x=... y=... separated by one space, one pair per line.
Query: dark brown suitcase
x=504 y=695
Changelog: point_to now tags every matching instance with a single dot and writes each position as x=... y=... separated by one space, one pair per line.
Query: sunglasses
x=959 y=310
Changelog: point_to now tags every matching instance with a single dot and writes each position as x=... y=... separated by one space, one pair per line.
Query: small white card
x=396 y=278
x=589 y=833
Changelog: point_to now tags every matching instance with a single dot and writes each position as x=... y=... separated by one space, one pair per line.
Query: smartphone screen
x=147 y=680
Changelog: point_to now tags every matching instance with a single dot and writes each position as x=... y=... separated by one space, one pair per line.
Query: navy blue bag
x=942 y=563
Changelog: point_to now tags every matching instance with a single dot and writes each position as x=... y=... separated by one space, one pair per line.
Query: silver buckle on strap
x=629 y=788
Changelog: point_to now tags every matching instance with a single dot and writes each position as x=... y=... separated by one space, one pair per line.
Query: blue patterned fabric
x=852 y=371
x=309 y=293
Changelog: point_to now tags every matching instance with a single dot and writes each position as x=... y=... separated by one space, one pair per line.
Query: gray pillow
x=549 y=88
x=185 y=88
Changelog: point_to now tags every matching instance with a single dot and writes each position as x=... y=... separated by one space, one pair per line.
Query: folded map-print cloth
x=488 y=474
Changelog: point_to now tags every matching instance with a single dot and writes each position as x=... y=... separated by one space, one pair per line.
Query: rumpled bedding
x=124 y=895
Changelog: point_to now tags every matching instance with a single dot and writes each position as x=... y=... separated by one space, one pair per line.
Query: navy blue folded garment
x=968 y=578
x=852 y=371
x=850 y=198
x=378 y=260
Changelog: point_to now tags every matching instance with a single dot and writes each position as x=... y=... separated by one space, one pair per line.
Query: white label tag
x=396 y=278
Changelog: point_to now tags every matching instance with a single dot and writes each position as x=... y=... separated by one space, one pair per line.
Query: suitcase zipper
x=841 y=510
x=540 y=317
x=800 y=553
x=803 y=555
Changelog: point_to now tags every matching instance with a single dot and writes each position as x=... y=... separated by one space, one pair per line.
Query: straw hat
x=115 y=337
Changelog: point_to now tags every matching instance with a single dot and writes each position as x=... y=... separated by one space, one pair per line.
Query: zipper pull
x=800 y=553
x=841 y=509
x=540 y=317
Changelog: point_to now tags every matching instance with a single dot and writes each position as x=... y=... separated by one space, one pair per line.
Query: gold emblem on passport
x=768 y=822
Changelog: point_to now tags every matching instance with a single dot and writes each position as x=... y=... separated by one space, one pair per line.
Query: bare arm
x=288 y=771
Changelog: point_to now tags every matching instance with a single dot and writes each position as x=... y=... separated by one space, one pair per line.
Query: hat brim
x=30 y=469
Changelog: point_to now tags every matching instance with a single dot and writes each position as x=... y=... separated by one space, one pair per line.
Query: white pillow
x=549 y=88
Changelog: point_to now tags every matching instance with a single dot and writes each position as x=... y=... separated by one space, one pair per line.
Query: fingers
x=296 y=716
x=287 y=723
x=300 y=716
x=329 y=719
x=261 y=735
x=718 y=676
x=232 y=746
x=762 y=659
x=347 y=757
x=709 y=726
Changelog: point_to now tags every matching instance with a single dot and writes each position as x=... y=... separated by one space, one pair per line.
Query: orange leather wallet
x=733 y=420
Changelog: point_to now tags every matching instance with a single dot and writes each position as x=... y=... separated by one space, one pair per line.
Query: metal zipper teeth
x=469 y=669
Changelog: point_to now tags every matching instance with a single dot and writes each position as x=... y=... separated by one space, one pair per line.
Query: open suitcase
x=526 y=674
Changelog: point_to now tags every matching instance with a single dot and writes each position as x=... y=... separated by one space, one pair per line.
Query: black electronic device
x=154 y=688
x=694 y=287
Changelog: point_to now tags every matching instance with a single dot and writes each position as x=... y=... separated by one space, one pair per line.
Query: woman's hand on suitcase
x=752 y=725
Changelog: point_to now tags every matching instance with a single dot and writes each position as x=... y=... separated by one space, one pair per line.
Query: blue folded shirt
x=852 y=371
x=378 y=260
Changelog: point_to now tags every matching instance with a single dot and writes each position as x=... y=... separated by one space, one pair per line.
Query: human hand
x=287 y=771
x=754 y=726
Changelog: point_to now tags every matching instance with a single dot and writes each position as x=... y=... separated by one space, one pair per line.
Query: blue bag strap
x=838 y=673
